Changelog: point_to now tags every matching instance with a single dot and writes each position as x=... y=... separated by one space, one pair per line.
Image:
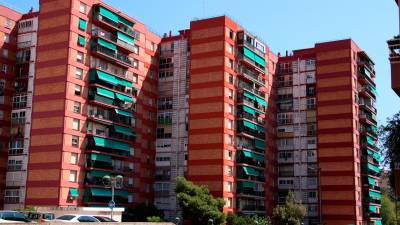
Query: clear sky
x=283 y=25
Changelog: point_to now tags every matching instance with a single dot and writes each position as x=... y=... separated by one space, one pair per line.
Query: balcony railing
x=113 y=54
x=18 y=121
x=130 y=31
x=248 y=191
x=108 y=36
x=251 y=75
x=251 y=89
x=252 y=118
x=251 y=62
x=252 y=208
x=250 y=132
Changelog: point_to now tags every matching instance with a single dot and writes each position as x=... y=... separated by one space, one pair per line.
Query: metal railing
x=115 y=55
x=130 y=31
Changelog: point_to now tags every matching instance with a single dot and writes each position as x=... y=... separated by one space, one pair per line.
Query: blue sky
x=283 y=25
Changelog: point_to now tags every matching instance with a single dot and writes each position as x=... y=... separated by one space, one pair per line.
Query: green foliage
x=197 y=204
x=233 y=219
x=388 y=211
x=291 y=213
x=141 y=213
x=390 y=138
x=154 y=219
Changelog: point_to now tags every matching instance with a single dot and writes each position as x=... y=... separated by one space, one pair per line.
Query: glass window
x=230 y=109
x=77 y=107
x=6 y=38
x=75 y=141
x=78 y=73
x=230 y=49
x=82 y=7
x=136 y=49
x=75 y=124
x=72 y=175
x=74 y=158
x=78 y=90
x=79 y=57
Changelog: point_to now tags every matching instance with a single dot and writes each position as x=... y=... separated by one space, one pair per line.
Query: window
x=77 y=107
x=4 y=68
x=87 y=219
x=230 y=94
x=79 y=57
x=164 y=103
x=310 y=62
x=152 y=46
x=14 y=165
x=165 y=74
x=136 y=49
x=6 y=38
x=72 y=175
x=75 y=124
x=135 y=63
x=229 y=203
x=230 y=124
x=78 y=90
x=25 y=24
x=11 y=196
x=8 y=23
x=231 y=34
x=5 y=53
x=75 y=141
x=16 y=147
x=230 y=171
x=312 y=194
x=82 y=24
x=74 y=158
x=19 y=101
x=311 y=129
x=230 y=109
x=166 y=63
x=310 y=103
x=230 y=139
x=78 y=73
x=81 y=41
x=230 y=63
x=230 y=49
x=230 y=155
x=285 y=118
x=82 y=7
x=230 y=186
x=230 y=79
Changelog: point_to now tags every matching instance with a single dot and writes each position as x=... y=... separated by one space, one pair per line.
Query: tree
x=388 y=211
x=390 y=138
x=141 y=212
x=291 y=213
x=154 y=219
x=197 y=204
x=233 y=219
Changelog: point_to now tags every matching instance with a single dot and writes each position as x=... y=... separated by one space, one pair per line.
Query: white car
x=76 y=219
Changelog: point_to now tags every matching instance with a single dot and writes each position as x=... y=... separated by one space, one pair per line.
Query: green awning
x=123 y=98
x=260 y=129
x=373 y=89
x=246 y=184
x=374 y=194
x=370 y=152
x=106 y=44
x=81 y=40
x=108 y=78
x=250 y=171
x=260 y=61
x=378 y=222
x=98 y=192
x=249 y=125
x=249 y=110
x=123 y=130
x=249 y=95
x=105 y=93
x=82 y=24
x=377 y=156
x=260 y=101
x=249 y=54
x=125 y=21
x=372 y=208
x=371 y=181
x=121 y=192
x=258 y=144
x=110 y=15
x=106 y=143
x=125 y=38
x=253 y=156
x=101 y=158
x=99 y=174
x=373 y=168
x=73 y=192
x=123 y=113
x=370 y=140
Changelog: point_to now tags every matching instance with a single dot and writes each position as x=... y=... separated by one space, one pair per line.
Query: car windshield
x=66 y=217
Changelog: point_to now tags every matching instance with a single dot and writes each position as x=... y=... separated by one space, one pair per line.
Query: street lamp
x=177 y=220
x=112 y=182
x=318 y=169
x=211 y=221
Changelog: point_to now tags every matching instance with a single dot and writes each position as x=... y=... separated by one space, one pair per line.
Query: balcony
x=251 y=89
x=394 y=57
x=368 y=91
x=248 y=189
x=250 y=75
x=18 y=121
x=252 y=117
x=119 y=39
x=260 y=68
x=101 y=196
x=246 y=173
x=252 y=101
x=98 y=77
x=252 y=208
x=116 y=23
x=250 y=158
x=115 y=116
x=285 y=160
x=112 y=55
x=251 y=129
x=368 y=168
x=108 y=98
x=256 y=145
x=368 y=118
x=108 y=146
x=163 y=177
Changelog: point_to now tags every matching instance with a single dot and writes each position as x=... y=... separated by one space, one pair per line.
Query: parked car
x=40 y=216
x=13 y=217
x=76 y=219
x=104 y=219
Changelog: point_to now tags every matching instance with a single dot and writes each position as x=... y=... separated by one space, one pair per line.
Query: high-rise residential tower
x=327 y=133
x=394 y=57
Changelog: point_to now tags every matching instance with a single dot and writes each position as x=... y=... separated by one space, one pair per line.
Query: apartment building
x=23 y=83
x=8 y=50
x=327 y=133
x=229 y=88
x=94 y=97
x=172 y=120
x=394 y=57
